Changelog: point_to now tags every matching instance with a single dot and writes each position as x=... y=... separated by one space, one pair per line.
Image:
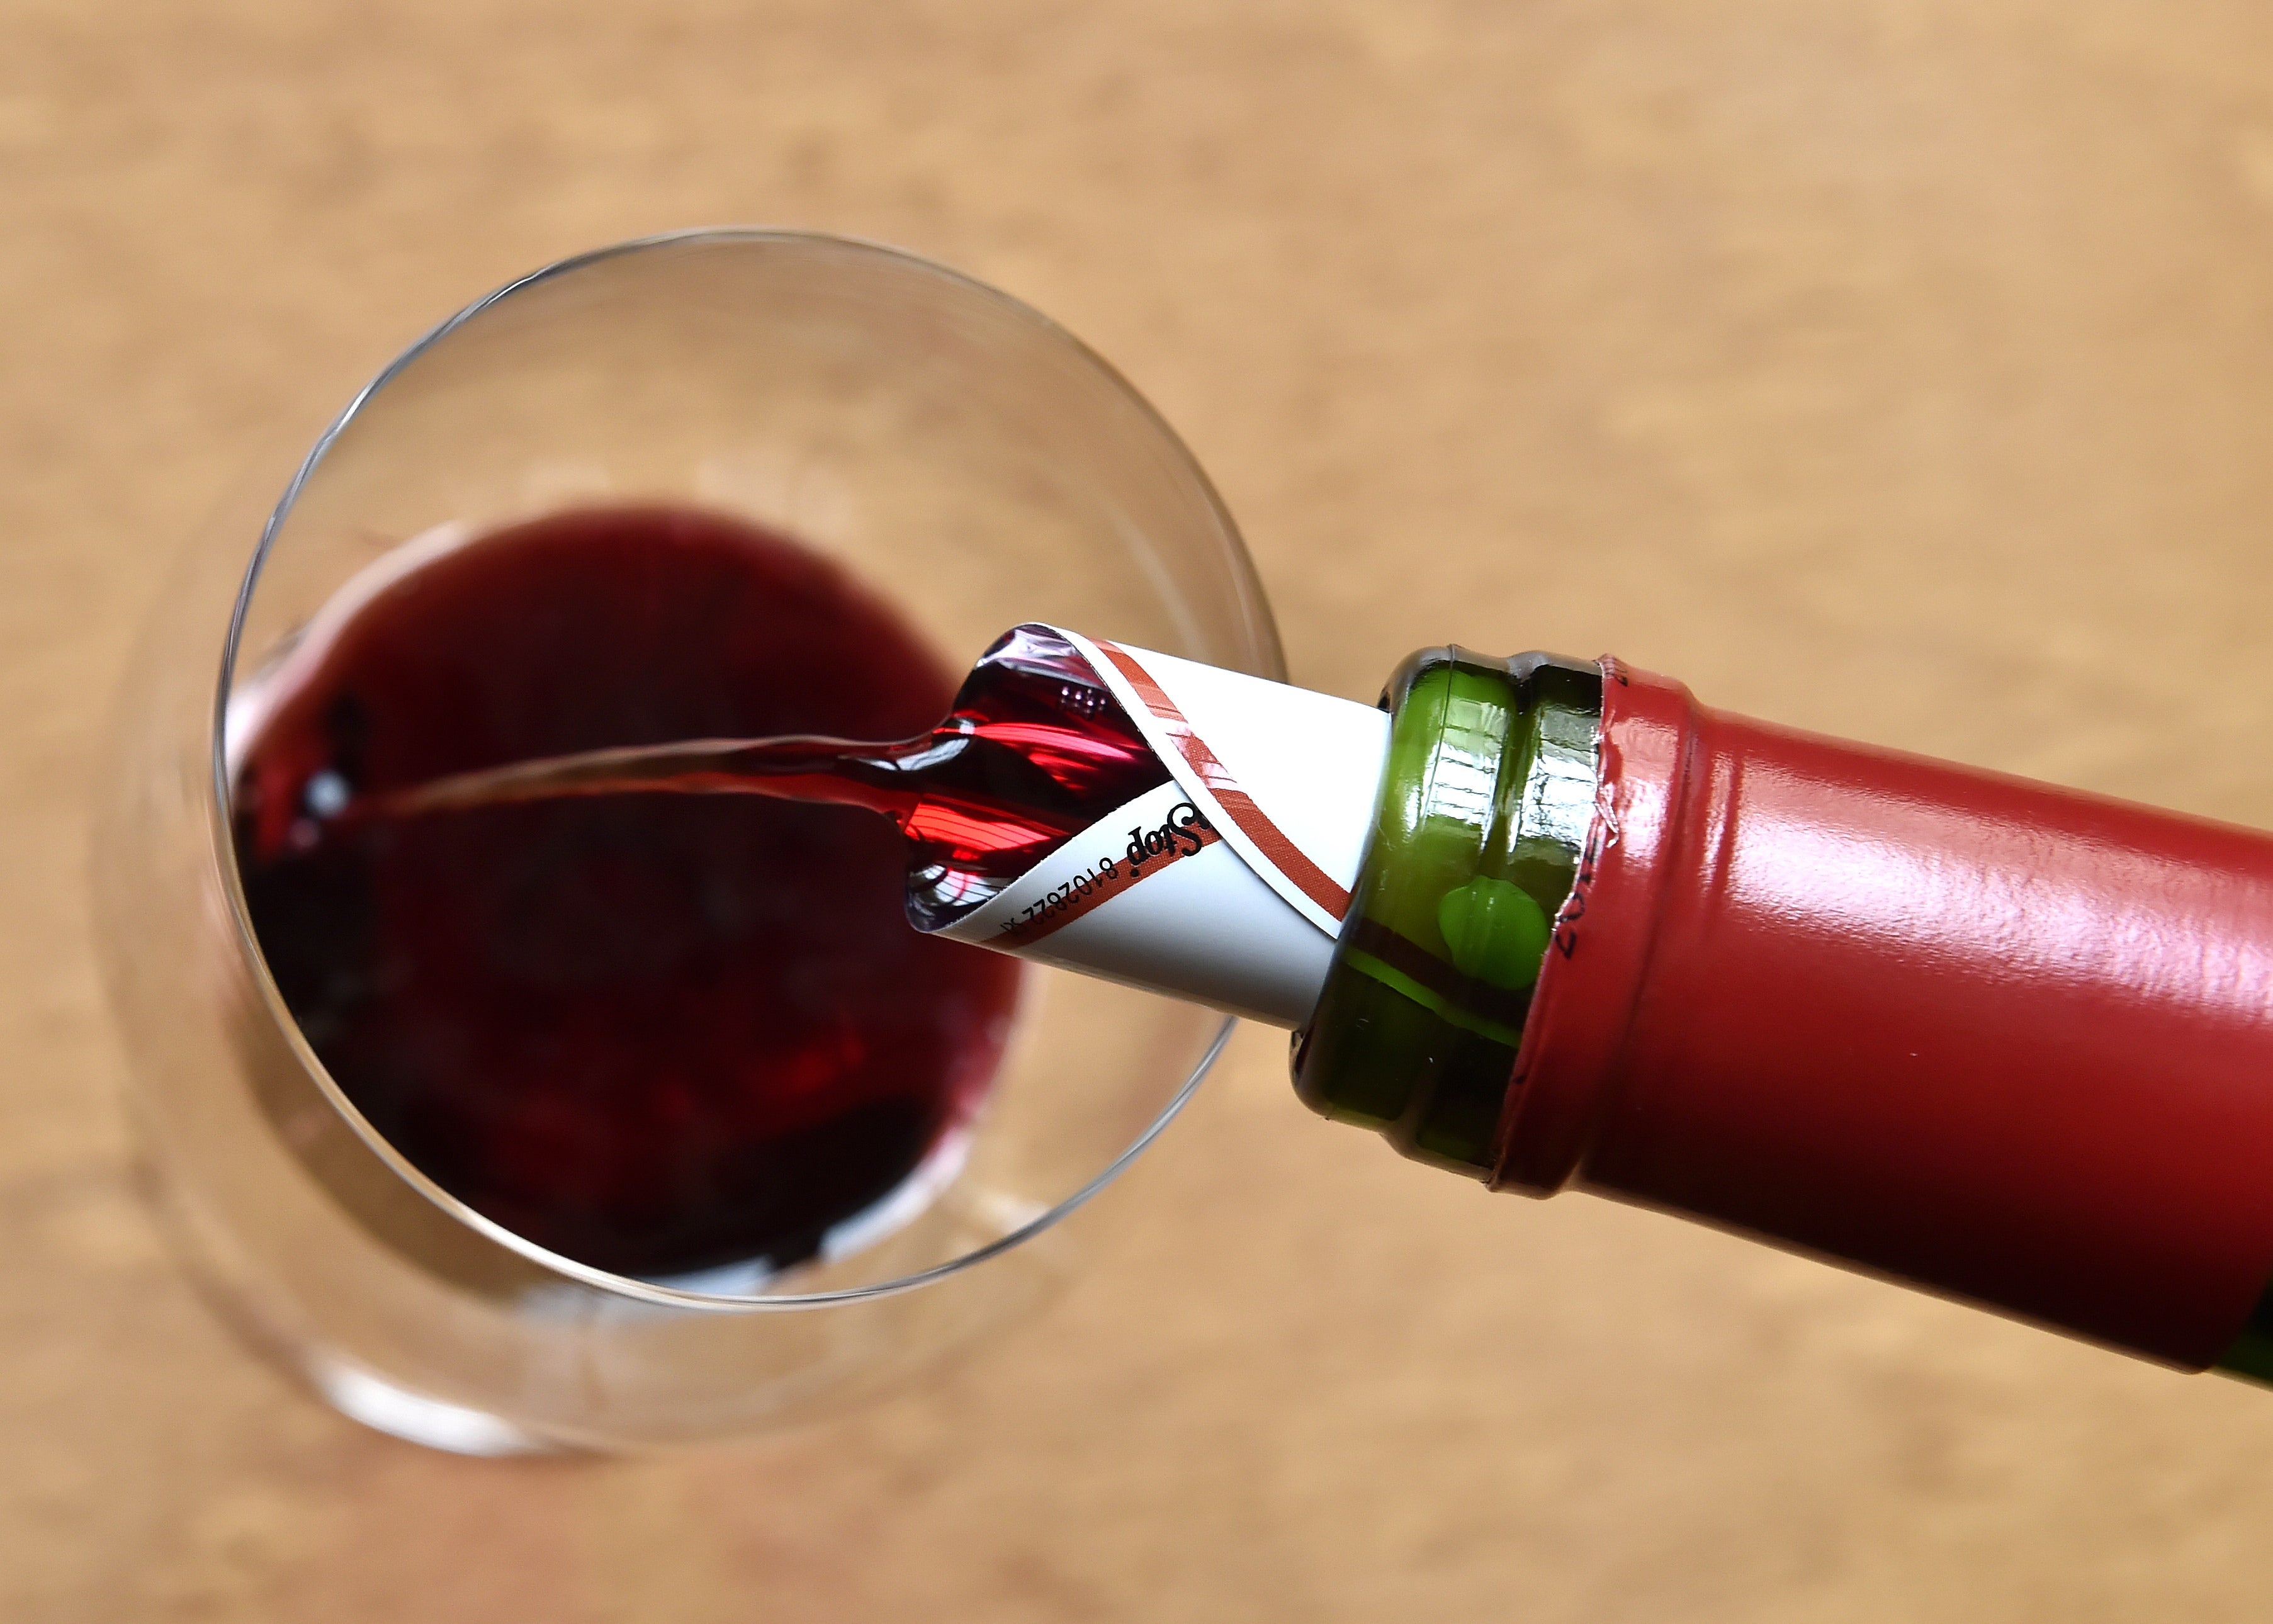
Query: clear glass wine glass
x=949 y=447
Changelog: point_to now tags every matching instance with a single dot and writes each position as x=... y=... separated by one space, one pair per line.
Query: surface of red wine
x=659 y=1034
x=1036 y=750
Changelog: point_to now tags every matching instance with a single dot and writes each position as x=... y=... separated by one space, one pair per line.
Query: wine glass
x=947 y=446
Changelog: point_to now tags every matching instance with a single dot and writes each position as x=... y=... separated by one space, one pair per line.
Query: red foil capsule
x=2009 y=1042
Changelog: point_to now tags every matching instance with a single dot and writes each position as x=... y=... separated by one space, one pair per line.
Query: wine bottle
x=1554 y=926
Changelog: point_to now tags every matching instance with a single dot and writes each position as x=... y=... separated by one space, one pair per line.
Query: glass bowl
x=950 y=448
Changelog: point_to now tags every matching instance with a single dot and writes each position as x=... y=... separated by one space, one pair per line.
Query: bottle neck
x=1489 y=792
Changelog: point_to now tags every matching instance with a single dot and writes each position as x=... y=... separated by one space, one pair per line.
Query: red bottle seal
x=2009 y=1042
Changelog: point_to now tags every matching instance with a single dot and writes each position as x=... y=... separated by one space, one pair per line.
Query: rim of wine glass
x=1254 y=613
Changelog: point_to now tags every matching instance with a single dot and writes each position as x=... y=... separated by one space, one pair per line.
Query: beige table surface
x=1904 y=370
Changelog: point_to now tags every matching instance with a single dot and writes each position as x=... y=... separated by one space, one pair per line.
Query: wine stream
x=1034 y=751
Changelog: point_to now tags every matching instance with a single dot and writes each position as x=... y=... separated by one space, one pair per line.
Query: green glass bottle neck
x=1484 y=809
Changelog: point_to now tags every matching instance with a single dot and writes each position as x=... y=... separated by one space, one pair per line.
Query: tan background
x=1902 y=369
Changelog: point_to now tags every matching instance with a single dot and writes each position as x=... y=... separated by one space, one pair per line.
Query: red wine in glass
x=658 y=1033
